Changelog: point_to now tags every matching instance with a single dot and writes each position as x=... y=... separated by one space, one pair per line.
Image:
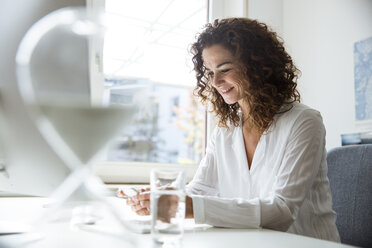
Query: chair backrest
x=350 y=177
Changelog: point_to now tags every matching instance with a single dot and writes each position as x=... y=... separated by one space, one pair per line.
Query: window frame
x=117 y=172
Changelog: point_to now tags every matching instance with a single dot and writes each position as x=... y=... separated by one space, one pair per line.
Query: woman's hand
x=189 y=208
x=167 y=205
x=140 y=203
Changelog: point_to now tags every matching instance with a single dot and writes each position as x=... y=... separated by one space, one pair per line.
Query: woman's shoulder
x=296 y=110
x=295 y=114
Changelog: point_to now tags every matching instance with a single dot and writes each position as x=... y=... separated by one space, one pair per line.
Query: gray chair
x=350 y=177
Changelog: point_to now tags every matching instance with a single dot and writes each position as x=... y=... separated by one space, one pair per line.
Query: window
x=148 y=46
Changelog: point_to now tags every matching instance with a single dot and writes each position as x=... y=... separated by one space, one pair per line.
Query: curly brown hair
x=269 y=76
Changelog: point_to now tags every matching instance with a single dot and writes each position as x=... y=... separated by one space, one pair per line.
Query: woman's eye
x=225 y=70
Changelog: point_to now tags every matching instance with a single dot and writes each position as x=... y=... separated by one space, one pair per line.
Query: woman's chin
x=229 y=101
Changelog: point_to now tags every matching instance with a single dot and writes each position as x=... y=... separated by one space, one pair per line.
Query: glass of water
x=167 y=205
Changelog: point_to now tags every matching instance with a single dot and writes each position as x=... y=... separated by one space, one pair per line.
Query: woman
x=265 y=164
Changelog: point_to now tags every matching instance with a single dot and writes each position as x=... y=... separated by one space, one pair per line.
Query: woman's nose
x=216 y=80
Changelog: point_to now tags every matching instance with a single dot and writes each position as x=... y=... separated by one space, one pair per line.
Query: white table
x=203 y=236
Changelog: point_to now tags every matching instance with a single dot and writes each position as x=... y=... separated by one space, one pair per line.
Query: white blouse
x=287 y=187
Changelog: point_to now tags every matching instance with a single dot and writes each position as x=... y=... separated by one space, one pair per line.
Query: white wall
x=320 y=36
x=269 y=12
x=226 y=8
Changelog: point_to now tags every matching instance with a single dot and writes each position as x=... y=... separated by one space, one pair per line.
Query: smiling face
x=222 y=70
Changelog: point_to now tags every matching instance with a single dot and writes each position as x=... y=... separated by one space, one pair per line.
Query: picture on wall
x=363 y=80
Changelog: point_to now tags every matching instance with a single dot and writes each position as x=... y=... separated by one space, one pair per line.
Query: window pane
x=147 y=45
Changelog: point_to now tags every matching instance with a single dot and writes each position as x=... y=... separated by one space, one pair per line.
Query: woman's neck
x=244 y=107
x=247 y=124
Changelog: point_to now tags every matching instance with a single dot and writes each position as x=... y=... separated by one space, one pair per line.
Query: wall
x=226 y=8
x=269 y=12
x=320 y=35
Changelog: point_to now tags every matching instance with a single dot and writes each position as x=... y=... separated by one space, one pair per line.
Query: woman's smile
x=221 y=67
x=226 y=91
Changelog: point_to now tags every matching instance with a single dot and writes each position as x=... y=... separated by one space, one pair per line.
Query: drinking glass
x=167 y=205
x=58 y=65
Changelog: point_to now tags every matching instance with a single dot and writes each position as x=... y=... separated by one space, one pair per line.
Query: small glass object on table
x=167 y=206
x=56 y=65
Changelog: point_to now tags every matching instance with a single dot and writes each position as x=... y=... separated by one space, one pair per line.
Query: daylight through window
x=146 y=49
